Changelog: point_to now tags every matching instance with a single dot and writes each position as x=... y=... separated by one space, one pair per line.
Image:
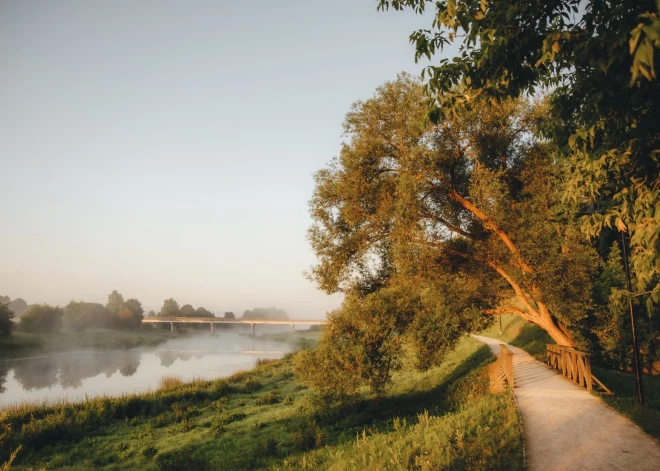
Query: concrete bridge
x=212 y=321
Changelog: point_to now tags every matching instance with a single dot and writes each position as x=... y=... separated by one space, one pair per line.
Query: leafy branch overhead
x=597 y=60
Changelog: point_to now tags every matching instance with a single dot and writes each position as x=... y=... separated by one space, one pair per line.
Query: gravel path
x=567 y=428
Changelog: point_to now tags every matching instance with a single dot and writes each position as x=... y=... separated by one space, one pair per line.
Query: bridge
x=212 y=321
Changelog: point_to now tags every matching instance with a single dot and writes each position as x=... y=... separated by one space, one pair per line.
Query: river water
x=73 y=376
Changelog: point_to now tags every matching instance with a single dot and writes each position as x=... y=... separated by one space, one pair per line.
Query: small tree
x=6 y=316
x=229 y=315
x=115 y=302
x=18 y=306
x=170 y=309
x=131 y=314
x=203 y=312
x=187 y=311
x=42 y=318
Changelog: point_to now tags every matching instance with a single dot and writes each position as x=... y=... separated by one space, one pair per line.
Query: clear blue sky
x=166 y=148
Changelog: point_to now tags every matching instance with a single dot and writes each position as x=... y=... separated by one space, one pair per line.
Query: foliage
x=115 y=302
x=265 y=313
x=598 y=59
x=466 y=210
x=229 y=315
x=81 y=315
x=203 y=312
x=170 y=309
x=361 y=345
x=42 y=318
x=611 y=326
x=18 y=306
x=6 y=316
x=187 y=311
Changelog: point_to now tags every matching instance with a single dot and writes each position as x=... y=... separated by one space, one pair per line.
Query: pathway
x=567 y=428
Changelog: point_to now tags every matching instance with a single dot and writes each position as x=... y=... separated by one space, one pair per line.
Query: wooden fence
x=501 y=371
x=574 y=365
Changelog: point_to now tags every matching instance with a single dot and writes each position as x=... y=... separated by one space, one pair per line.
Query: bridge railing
x=574 y=365
x=502 y=370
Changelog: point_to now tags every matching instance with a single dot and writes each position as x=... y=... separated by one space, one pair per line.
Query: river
x=73 y=376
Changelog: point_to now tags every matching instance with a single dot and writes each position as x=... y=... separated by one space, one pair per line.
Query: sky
x=166 y=148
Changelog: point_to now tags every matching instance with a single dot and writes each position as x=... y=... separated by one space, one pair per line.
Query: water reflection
x=69 y=370
x=74 y=376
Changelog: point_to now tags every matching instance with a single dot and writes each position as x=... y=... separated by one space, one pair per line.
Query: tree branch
x=494 y=227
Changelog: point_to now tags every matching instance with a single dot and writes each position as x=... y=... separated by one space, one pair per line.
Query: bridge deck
x=222 y=320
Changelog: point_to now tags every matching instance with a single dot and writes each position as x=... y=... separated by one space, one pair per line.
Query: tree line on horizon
x=117 y=313
x=508 y=180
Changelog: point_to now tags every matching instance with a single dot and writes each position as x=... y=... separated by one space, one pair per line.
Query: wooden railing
x=574 y=365
x=502 y=370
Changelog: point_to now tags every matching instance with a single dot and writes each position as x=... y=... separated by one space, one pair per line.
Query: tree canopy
x=471 y=201
x=170 y=308
x=265 y=313
x=597 y=60
x=42 y=318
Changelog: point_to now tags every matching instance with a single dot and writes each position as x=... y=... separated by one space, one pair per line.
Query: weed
x=149 y=451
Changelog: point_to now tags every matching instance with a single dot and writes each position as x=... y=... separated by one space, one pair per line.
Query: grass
x=533 y=339
x=263 y=419
x=28 y=343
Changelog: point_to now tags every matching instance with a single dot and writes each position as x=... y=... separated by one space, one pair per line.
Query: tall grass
x=168 y=381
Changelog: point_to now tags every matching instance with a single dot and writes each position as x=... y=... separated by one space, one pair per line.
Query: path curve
x=567 y=428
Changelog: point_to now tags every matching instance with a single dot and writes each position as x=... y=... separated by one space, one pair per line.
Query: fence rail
x=574 y=365
x=502 y=370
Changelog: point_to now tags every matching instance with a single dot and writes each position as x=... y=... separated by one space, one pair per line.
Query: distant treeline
x=118 y=313
x=265 y=313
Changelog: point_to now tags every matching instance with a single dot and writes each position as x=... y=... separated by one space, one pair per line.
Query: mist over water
x=73 y=376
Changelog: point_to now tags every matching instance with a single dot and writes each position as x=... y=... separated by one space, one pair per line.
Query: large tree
x=471 y=201
x=597 y=58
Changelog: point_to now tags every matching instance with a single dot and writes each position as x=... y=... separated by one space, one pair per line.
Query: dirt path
x=567 y=428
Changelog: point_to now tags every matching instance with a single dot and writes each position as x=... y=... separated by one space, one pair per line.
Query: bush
x=42 y=318
x=272 y=397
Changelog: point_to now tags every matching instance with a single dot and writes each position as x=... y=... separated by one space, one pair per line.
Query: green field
x=263 y=419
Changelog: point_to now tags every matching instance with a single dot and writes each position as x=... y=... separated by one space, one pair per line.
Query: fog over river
x=73 y=376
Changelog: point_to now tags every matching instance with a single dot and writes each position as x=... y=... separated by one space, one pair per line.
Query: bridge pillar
x=252 y=329
x=171 y=326
x=212 y=327
x=293 y=327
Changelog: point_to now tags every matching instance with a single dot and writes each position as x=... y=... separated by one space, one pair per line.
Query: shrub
x=42 y=318
x=308 y=437
x=272 y=397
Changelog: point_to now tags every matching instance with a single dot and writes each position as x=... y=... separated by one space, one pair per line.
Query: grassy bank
x=27 y=343
x=263 y=419
x=533 y=339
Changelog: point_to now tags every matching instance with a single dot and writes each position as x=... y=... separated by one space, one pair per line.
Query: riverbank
x=263 y=419
x=21 y=344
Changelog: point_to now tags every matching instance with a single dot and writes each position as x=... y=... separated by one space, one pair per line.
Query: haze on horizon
x=166 y=148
